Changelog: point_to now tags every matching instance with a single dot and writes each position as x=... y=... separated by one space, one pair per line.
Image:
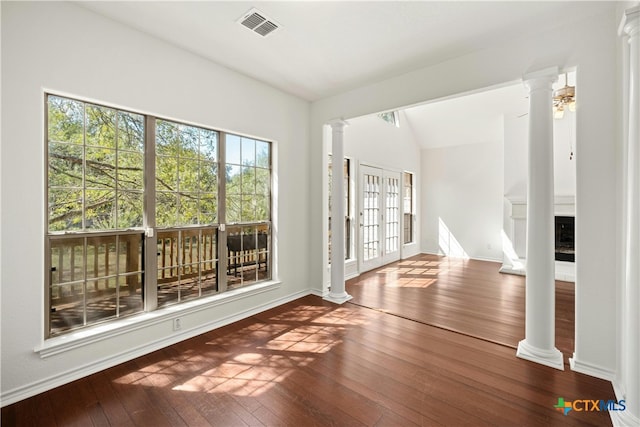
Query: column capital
x=338 y=124
x=630 y=23
x=542 y=79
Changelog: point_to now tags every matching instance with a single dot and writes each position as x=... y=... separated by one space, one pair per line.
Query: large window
x=408 y=208
x=113 y=183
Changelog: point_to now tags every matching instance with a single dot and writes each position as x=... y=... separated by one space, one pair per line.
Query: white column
x=539 y=343
x=630 y=375
x=337 y=293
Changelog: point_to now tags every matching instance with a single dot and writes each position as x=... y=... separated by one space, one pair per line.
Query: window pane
x=249 y=254
x=166 y=209
x=248 y=152
x=188 y=210
x=65 y=120
x=130 y=131
x=186 y=171
x=130 y=294
x=100 y=126
x=262 y=154
x=208 y=208
x=234 y=179
x=101 y=257
x=208 y=178
x=100 y=168
x=130 y=170
x=209 y=145
x=130 y=209
x=262 y=208
x=189 y=179
x=233 y=149
x=65 y=165
x=233 y=208
x=130 y=253
x=66 y=290
x=189 y=142
x=248 y=180
x=408 y=208
x=248 y=209
x=100 y=209
x=167 y=138
x=166 y=174
x=65 y=209
x=263 y=182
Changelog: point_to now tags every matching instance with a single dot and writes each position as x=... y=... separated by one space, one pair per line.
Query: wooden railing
x=182 y=252
x=96 y=262
x=247 y=249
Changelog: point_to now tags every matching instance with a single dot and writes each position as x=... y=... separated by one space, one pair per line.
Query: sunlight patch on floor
x=254 y=358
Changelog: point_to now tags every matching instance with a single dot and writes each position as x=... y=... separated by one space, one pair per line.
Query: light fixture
x=564 y=98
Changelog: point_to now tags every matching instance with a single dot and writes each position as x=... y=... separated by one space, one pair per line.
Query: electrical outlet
x=177 y=324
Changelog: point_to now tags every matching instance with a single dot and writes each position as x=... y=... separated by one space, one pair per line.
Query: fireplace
x=565 y=241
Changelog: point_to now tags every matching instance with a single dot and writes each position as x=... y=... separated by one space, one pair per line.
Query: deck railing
x=94 y=277
x=98 y=276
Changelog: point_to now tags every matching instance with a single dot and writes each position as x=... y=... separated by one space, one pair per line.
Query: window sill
x=108 y=330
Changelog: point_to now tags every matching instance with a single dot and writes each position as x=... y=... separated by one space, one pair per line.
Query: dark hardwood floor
x=466 y=296
x=313 y=363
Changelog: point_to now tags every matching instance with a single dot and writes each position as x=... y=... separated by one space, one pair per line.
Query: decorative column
x=337 y=293
x=539 y=343
x=630 y=343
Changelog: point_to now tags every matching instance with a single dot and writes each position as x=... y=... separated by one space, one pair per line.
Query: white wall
x=590 y=45
x=516 y=131
x=63 y=47
x=515 y=155
x=462 y=200
x=564 y=164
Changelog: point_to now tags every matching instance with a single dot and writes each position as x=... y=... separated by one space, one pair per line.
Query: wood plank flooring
x=313 y=363
x=467 y=296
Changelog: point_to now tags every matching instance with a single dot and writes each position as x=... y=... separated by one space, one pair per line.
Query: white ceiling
x=325 y=48
x=471 y=119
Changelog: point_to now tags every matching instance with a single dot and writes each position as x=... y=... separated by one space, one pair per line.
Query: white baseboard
x=564 y=271
x=590 y=369
x=28 y=390
x=473 y=258
x=508 y=269
x=622 y=418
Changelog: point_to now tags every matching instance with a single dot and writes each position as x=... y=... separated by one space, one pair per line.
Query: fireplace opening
x=565 y=240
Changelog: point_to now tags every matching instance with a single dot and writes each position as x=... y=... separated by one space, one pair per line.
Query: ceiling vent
x=258 y=22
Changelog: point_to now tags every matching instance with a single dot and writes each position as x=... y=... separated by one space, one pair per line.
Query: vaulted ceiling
x=323 y=48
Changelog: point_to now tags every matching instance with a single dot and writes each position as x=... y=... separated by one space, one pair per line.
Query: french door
x=379 y=217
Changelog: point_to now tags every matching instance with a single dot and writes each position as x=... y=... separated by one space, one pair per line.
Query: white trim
x=494 y=260
x=590 y=369
x=28 y=390
x=510 y=269
x=94 y=334
x=552 y=358
x=622 y=418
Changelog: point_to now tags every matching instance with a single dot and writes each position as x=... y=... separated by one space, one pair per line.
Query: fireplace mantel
x=515 y=223
x=563 y=206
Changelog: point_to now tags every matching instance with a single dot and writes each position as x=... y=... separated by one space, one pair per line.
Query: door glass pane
x=371 y=216
x=392 y=217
